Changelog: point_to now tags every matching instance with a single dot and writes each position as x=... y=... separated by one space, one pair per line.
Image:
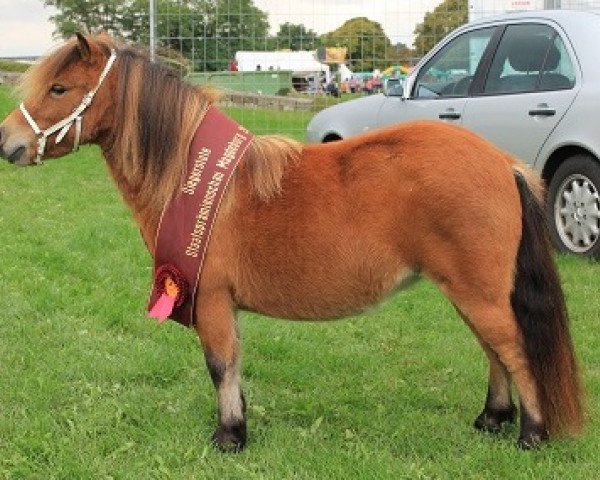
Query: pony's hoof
x=533 y=439
x=230 y=439
x=492 y=420
x=531 y=442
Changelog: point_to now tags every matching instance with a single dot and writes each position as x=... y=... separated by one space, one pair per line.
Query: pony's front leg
x=217 y=329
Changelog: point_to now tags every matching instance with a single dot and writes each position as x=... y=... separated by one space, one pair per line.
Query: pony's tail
x=539 y=306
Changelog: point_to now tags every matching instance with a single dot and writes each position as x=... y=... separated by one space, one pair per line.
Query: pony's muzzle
x=16 y=155
x=14 y=147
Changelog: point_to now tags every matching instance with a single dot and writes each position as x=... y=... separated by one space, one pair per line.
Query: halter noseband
x=65 y=124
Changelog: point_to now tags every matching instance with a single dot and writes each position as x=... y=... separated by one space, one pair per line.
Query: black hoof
x=491 y=420
x=532 y=434
x=230 y=439
x=532 y=440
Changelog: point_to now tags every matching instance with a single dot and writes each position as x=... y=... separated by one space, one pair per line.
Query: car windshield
x=450 y=71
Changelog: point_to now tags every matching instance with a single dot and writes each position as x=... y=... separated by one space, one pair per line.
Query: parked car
x=530 y=83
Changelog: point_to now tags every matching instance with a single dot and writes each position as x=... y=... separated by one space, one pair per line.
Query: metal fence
x=297 y=56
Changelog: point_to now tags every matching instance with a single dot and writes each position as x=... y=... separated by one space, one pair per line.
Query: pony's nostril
x=16 y=155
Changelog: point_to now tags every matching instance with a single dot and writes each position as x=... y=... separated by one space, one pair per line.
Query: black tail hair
x=539 y=306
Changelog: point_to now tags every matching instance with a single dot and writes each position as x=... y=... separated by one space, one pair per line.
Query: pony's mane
x=156 y=115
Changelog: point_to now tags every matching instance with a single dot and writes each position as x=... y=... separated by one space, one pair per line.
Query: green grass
x=292 y=124
x=11 y=66
x=90 y=388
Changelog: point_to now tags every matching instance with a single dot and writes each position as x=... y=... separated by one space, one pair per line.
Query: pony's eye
x=57 y=90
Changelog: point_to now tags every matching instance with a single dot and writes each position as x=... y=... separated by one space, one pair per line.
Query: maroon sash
x=186 y=223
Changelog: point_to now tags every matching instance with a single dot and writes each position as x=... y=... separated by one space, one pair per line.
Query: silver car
x=530 y=83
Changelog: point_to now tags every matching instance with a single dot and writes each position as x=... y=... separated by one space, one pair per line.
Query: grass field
x=11 y=66
x=91 y=389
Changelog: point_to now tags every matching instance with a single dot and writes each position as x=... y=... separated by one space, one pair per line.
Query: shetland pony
x=324 y=231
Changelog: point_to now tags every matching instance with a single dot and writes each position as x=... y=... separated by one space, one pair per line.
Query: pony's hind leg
x=216 y=327
x=498 y=331
x=499 y=407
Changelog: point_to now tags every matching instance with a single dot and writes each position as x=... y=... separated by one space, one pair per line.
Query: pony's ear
x=84 y=47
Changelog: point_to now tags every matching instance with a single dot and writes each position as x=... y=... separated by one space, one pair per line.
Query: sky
x=25 y=28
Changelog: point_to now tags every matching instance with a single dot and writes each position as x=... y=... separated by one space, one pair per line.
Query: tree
x=405 y=55
x=238 y=25
x=368 y=46
x=447 y=16
x=207 y=32
x=295 y=37
x=90 y=15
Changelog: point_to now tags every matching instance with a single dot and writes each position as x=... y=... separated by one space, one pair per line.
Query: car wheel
x=573 y=206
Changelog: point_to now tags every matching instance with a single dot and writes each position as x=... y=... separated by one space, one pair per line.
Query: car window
x=530 y=57
x=450 y=72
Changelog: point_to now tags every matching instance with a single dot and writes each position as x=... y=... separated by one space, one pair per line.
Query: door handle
x=542 y=112
x=449 y=116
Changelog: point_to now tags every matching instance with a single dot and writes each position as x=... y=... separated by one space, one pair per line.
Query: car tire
x=573 y=206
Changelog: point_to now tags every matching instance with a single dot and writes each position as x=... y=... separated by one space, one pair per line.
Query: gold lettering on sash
x=207 y=204
x=231 y=150
x=193 y=248
x=196 y=173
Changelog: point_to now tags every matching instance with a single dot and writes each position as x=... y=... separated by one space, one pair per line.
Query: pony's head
x=67 y=101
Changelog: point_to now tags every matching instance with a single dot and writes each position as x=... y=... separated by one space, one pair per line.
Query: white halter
x=65 y=124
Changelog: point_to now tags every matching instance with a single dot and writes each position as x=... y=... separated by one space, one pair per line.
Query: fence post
x=152 y=29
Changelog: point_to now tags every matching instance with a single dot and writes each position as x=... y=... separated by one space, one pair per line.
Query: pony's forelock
x=36 y=80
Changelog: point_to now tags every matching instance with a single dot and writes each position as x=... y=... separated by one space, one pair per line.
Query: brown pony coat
x=363 y=193
x=323 y=231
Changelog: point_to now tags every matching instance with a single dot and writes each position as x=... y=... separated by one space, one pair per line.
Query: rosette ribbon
x=172 y=288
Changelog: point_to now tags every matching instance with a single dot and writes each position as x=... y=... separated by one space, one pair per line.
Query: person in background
x=332 y=89
x=353 y=85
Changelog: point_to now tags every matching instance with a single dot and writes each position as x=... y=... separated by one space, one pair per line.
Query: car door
x=530 y=84
x=442 y=84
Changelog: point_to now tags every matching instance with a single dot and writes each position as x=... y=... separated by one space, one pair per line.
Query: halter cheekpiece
x=64 y=125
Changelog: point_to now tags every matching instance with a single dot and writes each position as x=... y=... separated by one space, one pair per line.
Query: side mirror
x=393 y=87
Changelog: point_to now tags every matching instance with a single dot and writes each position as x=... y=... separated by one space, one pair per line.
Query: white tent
x=298 y=62
x=345 y=73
